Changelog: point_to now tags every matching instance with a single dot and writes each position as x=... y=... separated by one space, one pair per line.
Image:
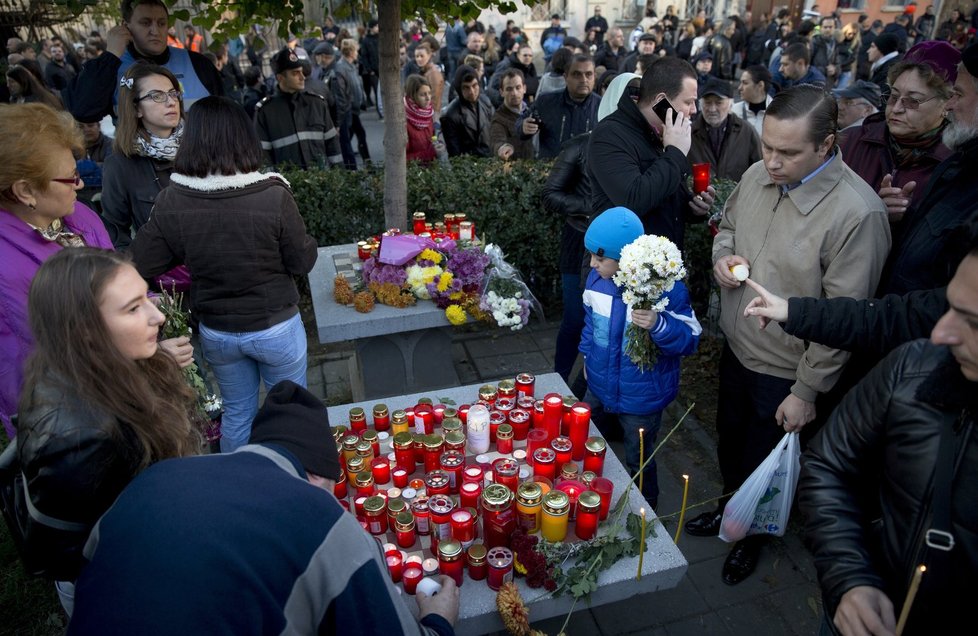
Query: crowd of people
x=853 y=147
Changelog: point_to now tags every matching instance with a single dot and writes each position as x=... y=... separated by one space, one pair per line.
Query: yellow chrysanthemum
x=445 y=281
x=429 y=274
x=455 y=314
x=456 y=296
x=430 y=255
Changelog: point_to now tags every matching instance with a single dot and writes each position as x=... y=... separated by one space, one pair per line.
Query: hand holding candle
x=911 y=594
x=701 y=177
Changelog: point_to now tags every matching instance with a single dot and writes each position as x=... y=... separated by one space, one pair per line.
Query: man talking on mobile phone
x=637 y=156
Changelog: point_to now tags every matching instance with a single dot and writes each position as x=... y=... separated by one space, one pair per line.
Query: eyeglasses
x=74 y=181
x=161 y=97
x=909 y=103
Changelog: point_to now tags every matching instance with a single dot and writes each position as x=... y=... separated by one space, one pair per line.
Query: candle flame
x=922 y=568
x=686 y=477
x=642 y=511
x=641 y=431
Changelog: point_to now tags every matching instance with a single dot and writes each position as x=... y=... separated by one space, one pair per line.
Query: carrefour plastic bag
x=763 y=502
x=504 y=294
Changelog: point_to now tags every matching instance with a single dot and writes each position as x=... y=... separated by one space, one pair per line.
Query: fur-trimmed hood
x=219 y=182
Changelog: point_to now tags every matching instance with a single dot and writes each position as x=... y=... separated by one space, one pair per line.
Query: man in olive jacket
x=804 y=224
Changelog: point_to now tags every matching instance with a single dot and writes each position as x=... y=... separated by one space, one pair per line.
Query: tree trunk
x=395 y=131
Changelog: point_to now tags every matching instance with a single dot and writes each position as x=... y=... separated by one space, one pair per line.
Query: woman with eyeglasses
x=147 y=137
x=39 y=216
x=896 y=151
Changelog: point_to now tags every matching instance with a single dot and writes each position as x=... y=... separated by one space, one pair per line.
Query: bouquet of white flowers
x=505 y=297
x=648 y=268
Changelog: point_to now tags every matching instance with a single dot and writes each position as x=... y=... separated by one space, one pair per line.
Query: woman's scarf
x=420 y=118
x=162 y=149
x=909 y=152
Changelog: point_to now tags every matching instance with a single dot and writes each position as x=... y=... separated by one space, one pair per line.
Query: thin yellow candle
x=911 y=593
x=641 y=548
x=682 y=511
x=641 y=458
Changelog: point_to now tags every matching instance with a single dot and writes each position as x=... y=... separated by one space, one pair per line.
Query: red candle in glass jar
x=568 y=403
x=477 y=562
x=526 y=403
x=537 y=438
x=537 y=415
x=519 y=419
x=588 y=511
x=358 y=419
x=424 y=419
x=339 y=488
x=505 y=404
x=495 y=419
x=404 y=454
x=469 y=494
x=358 y=505
x=504 y=439
x=463 y=413
x=422 y=516
x=463 y=527
x=401 y=477
x=580 y=419
x=524 y=384
x=440 y=507
x=450 y=560
x=436 y=483
x=380 y=467
x=701 y=177
x=419 y=223
x=452 y=464
x=544 y=463
x=438 y=410
x=563 y=447
x=595 y=449
x=573 y=490
x=395 y=564
x=473 y=473
x=498 y=516
x=411 y=577
x=404 y=528
x=417 y=443
x=434 y=446
x=500 y=560
x=375 y=512
x=506 y=471
x=604 y=487
x=553 y=410
x=382 y=417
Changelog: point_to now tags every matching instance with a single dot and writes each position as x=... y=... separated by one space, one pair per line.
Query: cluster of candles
x=453 y=226
x=534 y=468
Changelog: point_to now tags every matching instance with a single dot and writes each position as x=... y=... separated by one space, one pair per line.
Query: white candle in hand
x=740 y=272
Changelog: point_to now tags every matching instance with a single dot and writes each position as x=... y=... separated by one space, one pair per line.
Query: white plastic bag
x=763 y=502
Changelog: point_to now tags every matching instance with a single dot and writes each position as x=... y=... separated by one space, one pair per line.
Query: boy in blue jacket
x=615 y=384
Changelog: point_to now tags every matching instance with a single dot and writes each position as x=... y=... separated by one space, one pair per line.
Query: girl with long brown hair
x=101 y=400
x=26 y=89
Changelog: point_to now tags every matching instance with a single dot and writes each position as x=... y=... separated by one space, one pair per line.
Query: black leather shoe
x=741 y=561
x=705 y=525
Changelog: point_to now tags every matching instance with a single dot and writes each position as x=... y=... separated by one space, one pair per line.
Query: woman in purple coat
x=39 y=216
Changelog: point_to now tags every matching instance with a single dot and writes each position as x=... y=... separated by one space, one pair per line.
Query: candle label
x=422 y=524
x=419 y=425
x=508 y=576
x=375 y=527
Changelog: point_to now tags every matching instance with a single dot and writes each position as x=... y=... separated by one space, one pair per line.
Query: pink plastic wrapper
x=398 y=250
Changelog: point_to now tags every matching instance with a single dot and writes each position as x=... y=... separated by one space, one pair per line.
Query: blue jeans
x=571 y=325
x=630 y=425
x=240 y=361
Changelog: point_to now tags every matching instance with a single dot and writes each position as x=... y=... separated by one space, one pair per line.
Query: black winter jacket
x=871 y=326
x=878 y=451
x=466 y=125
x=90 y=94
x=567 y=193
x=129 y=189
x=242 y=239
x=562 y=119
x=629 y=167
x=76 y=459
x=933 y=238
x=296 y=128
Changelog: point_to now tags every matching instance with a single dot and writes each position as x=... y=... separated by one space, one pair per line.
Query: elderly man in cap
x=250 y=542
x=294 y=125
x=856 y=102
x=645 y=46
x=726 y=142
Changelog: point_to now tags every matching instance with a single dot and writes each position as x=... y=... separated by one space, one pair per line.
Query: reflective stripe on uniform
x=296 y=138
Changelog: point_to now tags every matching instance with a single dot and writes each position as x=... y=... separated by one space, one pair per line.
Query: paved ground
x=780 y=598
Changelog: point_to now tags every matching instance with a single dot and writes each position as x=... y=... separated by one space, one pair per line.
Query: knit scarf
x=910 y=152
x=416 y=116
x=162 y=149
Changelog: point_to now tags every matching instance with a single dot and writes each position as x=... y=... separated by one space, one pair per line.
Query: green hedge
x=341 y=206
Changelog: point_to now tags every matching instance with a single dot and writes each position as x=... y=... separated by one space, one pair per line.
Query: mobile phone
x=661 y=107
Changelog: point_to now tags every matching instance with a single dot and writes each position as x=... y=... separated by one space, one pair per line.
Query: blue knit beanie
x=612 y=230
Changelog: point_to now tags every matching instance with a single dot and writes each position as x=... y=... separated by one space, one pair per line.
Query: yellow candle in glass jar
x=553 y=522
x=528 y=498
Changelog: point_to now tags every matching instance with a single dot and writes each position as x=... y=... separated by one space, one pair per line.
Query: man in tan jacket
x=804 y=224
